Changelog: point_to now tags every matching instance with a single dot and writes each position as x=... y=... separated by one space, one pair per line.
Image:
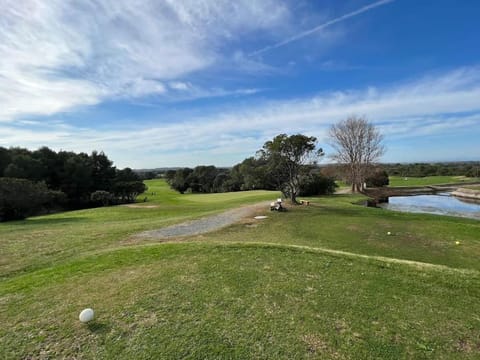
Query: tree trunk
x=293 y=198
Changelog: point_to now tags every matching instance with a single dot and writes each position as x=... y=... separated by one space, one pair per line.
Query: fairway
x=429 y=180
x=321 y=281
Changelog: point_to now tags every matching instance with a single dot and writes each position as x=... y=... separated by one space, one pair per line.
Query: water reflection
x=441 y=204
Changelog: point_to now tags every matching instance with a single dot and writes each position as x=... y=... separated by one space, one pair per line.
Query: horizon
x=179 y=84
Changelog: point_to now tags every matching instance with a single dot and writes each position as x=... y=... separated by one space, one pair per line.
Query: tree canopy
x=61 y=179
x=286 y=157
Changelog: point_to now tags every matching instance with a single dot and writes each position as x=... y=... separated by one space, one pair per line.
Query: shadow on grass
x=98 y=327
x=46 y=221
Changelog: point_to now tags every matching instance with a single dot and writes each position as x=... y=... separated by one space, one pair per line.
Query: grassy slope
x=45 y=240
x=244 y=291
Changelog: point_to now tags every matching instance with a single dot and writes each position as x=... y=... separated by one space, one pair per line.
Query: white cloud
x=434 y=105
x=178 y=85
x=57 y=55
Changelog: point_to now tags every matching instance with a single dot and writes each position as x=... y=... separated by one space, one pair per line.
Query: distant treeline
x=469 y=169
x=250 y=174
x=33 y=182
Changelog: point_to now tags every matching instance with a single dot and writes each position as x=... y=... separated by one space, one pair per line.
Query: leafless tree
x=358 y=146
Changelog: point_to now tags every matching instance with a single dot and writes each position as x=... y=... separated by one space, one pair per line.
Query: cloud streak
x=321 y=27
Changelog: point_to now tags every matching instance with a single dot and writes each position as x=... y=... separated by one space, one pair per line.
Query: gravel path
x=206 y=224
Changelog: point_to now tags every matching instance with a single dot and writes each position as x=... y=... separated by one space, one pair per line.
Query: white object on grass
x=260 y=217
x=389 y=233
x=86 y=315
x=457 y=242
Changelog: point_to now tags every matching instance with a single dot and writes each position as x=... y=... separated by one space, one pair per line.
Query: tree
x=127 y=191
x=5 y=159
x=127 y=185
x=180 y=181
x=103 y=172
x=20 y=198
x=358 y=145
x=286 y=157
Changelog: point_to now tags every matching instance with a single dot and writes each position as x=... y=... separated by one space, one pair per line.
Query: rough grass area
x=322 y=281
x=429 y=180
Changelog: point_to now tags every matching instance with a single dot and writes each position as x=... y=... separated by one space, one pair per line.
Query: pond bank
x=380 y=195
x=467 y=193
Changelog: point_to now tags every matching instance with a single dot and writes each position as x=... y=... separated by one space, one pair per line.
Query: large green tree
x=286 y=157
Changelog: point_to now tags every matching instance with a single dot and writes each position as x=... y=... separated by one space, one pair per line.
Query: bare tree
x=358 y=145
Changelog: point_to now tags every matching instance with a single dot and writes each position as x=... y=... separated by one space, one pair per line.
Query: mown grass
x=429 y=180
x=302 y=284
x=44 y=240
x=335 y=222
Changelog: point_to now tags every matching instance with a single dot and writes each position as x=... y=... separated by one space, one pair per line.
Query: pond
x=440 y=204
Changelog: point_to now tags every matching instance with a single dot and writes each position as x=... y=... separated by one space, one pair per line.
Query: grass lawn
x=321 y=281
x=429 y=180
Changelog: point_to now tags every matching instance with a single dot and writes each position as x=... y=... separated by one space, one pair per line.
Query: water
x=440 y=204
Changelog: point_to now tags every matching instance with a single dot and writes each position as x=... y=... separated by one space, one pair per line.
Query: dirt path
x=345 y=190
x=206 y=224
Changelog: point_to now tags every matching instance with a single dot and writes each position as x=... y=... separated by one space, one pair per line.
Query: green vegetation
x=38 y=182
x=468 y=168
x=319 y=281
x=429 y=180
x=286 y=163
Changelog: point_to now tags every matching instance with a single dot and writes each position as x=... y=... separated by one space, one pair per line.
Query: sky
x=160 y=83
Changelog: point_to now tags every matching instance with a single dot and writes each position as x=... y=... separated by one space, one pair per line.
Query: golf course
x=332 y=280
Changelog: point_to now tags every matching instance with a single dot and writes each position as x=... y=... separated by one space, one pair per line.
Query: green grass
x=63 y=236
x=321 y=281
x=429 y=180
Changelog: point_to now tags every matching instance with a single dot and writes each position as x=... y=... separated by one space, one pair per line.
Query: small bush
x=316 y=184
x=101 y=197
x=378 y=179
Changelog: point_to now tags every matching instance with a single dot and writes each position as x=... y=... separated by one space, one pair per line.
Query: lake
x=440 y=204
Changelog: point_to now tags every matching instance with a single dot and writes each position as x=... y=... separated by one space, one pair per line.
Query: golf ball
x=389 y=233
x=86 y=315
x=457 y=242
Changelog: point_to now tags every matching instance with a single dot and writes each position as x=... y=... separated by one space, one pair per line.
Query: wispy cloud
x=58 y=55
x=436 y=104
x=323 y=26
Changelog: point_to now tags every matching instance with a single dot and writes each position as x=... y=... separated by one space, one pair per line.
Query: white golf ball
x=389 y=233
x=86 y=315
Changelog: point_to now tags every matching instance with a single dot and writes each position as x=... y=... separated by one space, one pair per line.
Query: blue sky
x=183 y=83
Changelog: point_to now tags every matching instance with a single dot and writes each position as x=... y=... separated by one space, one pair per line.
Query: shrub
x=378 y=179
x=316 y=184
x=102 y=197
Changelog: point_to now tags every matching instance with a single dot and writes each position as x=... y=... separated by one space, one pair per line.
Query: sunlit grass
x=429 y=180
x=320 y=281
